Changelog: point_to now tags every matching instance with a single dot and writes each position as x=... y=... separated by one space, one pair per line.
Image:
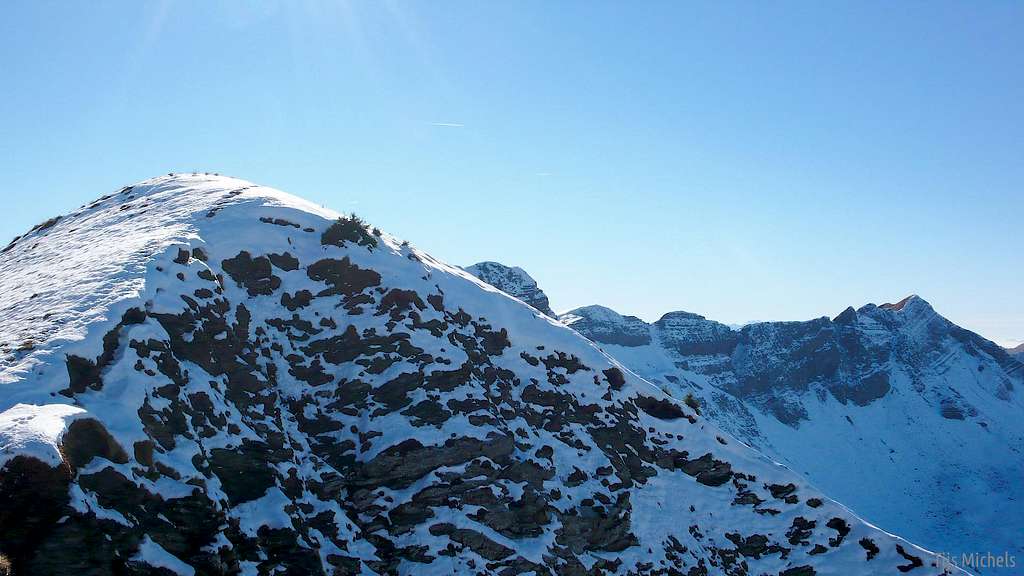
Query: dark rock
x=285 y=261
x=841 y=528
x=707 y=470
x=475 y=541
x=594 y=529
x=615 y=378
x=33 y=497
x=254 y=274
x=402 y=464
x=915 y=562
x=800 y=531
x=345 y=278
x=301 y=299
x=244 y=472
x=869 y=545
x=86 y=439
x=950 y=410
x=660 y=408
x=752 y=546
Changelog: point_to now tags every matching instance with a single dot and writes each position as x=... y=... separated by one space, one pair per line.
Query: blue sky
x=746 y=161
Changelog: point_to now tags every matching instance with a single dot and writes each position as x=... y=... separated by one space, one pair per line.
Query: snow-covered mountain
x=204 y=376
x=891 y=400
x=513 y=281
x=1017 y=351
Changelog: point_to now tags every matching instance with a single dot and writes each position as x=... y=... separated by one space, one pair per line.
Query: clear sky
x=746 y=161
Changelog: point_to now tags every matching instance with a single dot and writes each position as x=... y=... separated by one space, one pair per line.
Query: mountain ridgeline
x=199 y=375
x=909 y=419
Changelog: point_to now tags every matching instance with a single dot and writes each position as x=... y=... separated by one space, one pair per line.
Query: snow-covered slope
x=912 y=421
x=513 y=281
x=203 y=376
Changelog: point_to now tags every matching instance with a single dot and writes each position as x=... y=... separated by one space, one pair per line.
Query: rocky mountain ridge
x=889 y=398
x=204 y=376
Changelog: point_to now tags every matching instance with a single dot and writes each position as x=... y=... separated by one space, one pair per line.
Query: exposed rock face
x=1017 y=352
x=513 y=281
x=892 y=395
x=389 y=416
x=690 y=334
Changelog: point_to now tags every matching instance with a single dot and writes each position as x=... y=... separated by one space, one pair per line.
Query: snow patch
x=35 y=431
x=154 y=554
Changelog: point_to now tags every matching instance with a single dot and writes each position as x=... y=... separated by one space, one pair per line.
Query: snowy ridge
x=258 y=386
x=58 y=281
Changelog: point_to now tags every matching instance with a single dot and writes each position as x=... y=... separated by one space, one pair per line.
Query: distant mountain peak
x=912 y=308
x=911 y=305
x=680 y=315
x=513 y=281
x=607 y=326
x=593 y=312
x=902 y=303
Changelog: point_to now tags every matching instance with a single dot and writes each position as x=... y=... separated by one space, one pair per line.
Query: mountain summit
x=205 y=376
